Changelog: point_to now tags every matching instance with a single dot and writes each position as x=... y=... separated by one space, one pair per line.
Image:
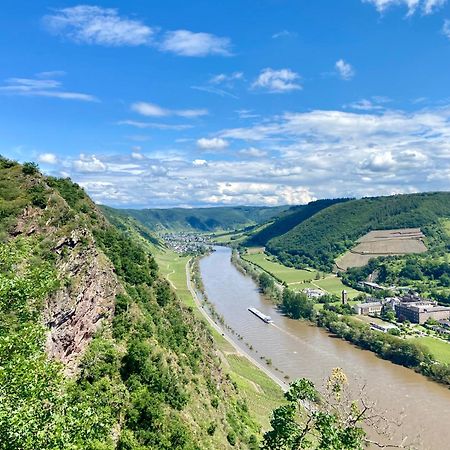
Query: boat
x=262 y=316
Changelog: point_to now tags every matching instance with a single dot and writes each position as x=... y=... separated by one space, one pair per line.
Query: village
x=187 y=243
x=404 y=308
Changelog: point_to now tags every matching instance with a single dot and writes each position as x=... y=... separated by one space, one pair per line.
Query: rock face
x=85 y=298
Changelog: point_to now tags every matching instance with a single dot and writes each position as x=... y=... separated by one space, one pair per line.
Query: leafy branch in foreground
x=332 y=421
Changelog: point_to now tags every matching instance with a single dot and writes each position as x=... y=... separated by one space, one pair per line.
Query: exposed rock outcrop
x=85 y=298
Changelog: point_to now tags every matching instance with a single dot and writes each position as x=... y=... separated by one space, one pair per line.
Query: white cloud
x=345 y=70
x=379 y=162
x=39 y=87
x=153 y=110
x=149 y=109
x=426 y=6
x=446 y=28
x=375 y=103
x=95 y=25
x=364 y=105
x=154 y=125
x=88 y=164
x=188 y=43
x=275 y=81
x=259 y=193
x=137 y=155
x=228 y=79
x=253 y=152
x=284 y=33
x=48 y=158
x=85 y=24
x=212 y=144
x=199 y=162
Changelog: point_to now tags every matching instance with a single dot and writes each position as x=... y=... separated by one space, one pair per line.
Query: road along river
x=300 y=349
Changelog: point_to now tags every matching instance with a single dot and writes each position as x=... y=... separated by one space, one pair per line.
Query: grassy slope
x=299 y=279
x=438 y=348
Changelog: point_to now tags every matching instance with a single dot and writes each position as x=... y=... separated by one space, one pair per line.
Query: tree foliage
x=310 y=421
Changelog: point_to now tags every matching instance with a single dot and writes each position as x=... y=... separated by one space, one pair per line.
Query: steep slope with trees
x=320 y=239
x=288 y=220
x=96 y=351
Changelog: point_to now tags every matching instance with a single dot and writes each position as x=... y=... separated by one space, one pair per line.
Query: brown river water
x=300 y=349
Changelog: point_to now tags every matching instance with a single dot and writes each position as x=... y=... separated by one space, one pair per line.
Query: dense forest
x=201 y=219
x=96 y=351
x=317 y=241
x=288 y=220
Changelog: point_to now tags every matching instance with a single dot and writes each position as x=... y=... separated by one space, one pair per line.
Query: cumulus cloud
x=188 y=43
x=313 y=154
x=41 y=86
x=47 y=158
x=88 y=164
x=426 y=6
x=276 y=81
x=95 y=25
x=344 y=69
x=153 y=110
x=212 y=144
x=259 y=193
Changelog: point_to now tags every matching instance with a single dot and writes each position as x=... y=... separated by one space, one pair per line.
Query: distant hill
x=318 y=240
x=200 y=219
x=289 y=219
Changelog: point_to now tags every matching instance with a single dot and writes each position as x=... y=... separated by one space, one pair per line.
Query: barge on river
x=262 y=316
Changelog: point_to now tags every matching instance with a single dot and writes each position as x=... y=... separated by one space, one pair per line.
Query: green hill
x=318 y=240
x=287 y=220
x=96 y=350
x=200 y=219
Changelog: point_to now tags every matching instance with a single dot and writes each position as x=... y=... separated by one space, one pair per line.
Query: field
x=283 y=273
x=439 y=349
x=297 y=279
x=334 y=285
x=382 y=243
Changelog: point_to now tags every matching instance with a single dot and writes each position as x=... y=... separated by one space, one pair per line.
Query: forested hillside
x=320 y=239
x=96 y=351
x=287 y=220
x=201 y=219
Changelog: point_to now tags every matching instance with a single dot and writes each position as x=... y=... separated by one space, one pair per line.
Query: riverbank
x=263 y=392
x=406 y=352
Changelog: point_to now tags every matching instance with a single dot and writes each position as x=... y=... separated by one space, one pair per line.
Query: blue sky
x=265 y=102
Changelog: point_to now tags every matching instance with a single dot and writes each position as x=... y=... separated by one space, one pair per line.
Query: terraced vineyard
x=383 y=243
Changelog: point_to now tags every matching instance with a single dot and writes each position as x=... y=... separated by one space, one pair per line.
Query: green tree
x=309 y=421
x=30 y=168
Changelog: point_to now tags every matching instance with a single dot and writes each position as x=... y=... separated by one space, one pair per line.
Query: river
x=300 y=349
